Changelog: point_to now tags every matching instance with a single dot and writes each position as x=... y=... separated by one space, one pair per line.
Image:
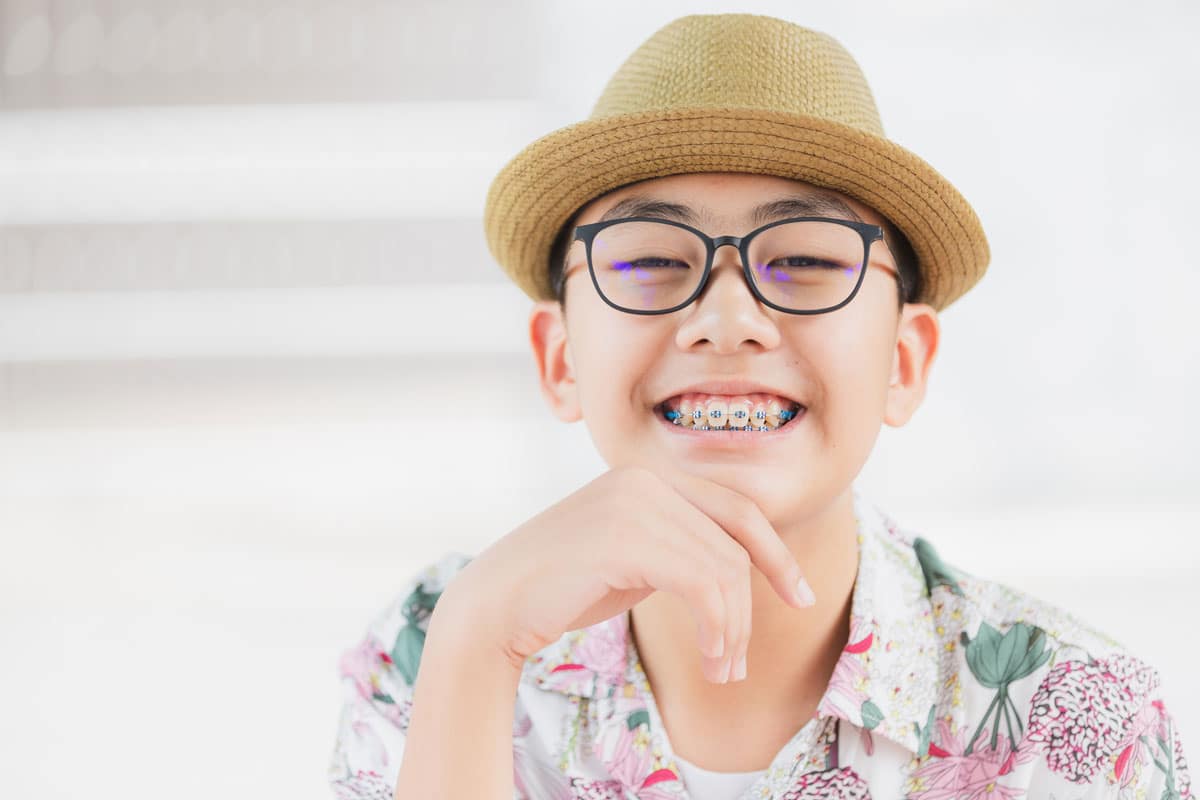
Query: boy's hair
x=897 y=242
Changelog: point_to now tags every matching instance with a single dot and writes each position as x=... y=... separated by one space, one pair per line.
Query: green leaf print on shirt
x=1170 y=754
x=639 y=717
x=937 y=572
x=410 y=639
x=997 y=661
x=871 y=715
x=926 y=733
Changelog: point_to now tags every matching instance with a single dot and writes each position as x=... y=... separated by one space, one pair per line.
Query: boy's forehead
x=706 y=200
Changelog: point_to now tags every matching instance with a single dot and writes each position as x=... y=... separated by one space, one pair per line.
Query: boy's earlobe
x=916 y=347
x=555 y=363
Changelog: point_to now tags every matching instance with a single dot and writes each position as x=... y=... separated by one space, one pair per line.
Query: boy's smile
x=743 y=415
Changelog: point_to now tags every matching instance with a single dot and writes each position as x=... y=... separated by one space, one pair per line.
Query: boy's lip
x=731 y=387
x=733 y=441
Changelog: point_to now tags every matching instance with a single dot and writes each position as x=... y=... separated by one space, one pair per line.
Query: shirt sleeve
x=377 y=677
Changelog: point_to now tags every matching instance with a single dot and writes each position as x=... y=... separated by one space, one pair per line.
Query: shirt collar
x=889 y=677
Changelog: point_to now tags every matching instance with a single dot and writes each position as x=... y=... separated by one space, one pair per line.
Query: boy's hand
x=612 y=543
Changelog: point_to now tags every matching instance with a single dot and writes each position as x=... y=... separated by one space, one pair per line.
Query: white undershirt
x=704 y=784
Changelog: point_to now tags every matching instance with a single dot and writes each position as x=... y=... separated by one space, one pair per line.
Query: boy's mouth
x=746 y=413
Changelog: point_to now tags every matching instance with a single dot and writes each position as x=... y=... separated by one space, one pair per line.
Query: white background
x=238 y=406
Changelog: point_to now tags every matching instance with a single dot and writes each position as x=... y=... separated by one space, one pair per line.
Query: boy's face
x=853 y=369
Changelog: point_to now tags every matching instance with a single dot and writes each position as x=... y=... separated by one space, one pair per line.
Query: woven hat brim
x=551 y=178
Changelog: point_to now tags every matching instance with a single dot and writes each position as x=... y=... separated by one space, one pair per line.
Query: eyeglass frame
x=870 y=234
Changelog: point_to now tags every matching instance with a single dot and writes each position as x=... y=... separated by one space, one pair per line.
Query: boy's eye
x=649 y=262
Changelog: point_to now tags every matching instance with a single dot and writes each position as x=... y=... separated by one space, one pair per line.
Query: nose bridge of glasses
x=735 y=258
x=735 y=242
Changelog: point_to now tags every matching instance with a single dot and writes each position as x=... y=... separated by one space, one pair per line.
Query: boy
x=744 y=284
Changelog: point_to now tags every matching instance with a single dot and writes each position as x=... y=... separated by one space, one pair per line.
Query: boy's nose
x=727 y=312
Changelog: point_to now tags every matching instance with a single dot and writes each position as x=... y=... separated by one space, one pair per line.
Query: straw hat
x=733 y=93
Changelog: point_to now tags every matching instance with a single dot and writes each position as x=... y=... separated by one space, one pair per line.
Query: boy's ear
x=552 y=353
x=917 y=334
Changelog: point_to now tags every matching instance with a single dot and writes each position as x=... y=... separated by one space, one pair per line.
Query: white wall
x=236 y=408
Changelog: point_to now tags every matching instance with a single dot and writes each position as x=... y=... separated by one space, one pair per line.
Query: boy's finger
x=744 y=521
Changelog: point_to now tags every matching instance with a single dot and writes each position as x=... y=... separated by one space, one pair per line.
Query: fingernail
x=804 y=593
x=725 y=665
x=739 y=669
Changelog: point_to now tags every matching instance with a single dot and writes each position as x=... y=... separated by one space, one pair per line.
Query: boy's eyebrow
x=799 y=205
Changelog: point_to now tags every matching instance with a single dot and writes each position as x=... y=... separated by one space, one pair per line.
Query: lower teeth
x=735 y=428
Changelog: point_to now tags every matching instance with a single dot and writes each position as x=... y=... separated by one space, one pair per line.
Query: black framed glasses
x=800 y=265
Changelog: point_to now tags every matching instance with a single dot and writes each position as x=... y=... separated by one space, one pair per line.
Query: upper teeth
x=737 y=411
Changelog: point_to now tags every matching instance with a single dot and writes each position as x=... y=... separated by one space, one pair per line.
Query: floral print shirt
x=949 y=686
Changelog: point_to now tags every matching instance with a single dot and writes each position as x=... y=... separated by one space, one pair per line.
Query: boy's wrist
x=462 y=628
x=465 y=689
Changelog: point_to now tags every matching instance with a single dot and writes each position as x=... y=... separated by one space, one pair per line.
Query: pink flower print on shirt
x=599 y=656
x=842 y=783
x=846 y=693
x=951 y=772
x=570 y=677
x=604 y=649
x=1148 y=724
x=535 y=777
x=626 y=746
x=1152 y=743
x=363 y=785
x=372 y=670
x=1082 y=712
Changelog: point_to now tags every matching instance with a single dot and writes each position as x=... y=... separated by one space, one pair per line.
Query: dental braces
x=700 y=413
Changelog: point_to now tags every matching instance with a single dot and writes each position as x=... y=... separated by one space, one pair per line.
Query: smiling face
x=853 y=369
